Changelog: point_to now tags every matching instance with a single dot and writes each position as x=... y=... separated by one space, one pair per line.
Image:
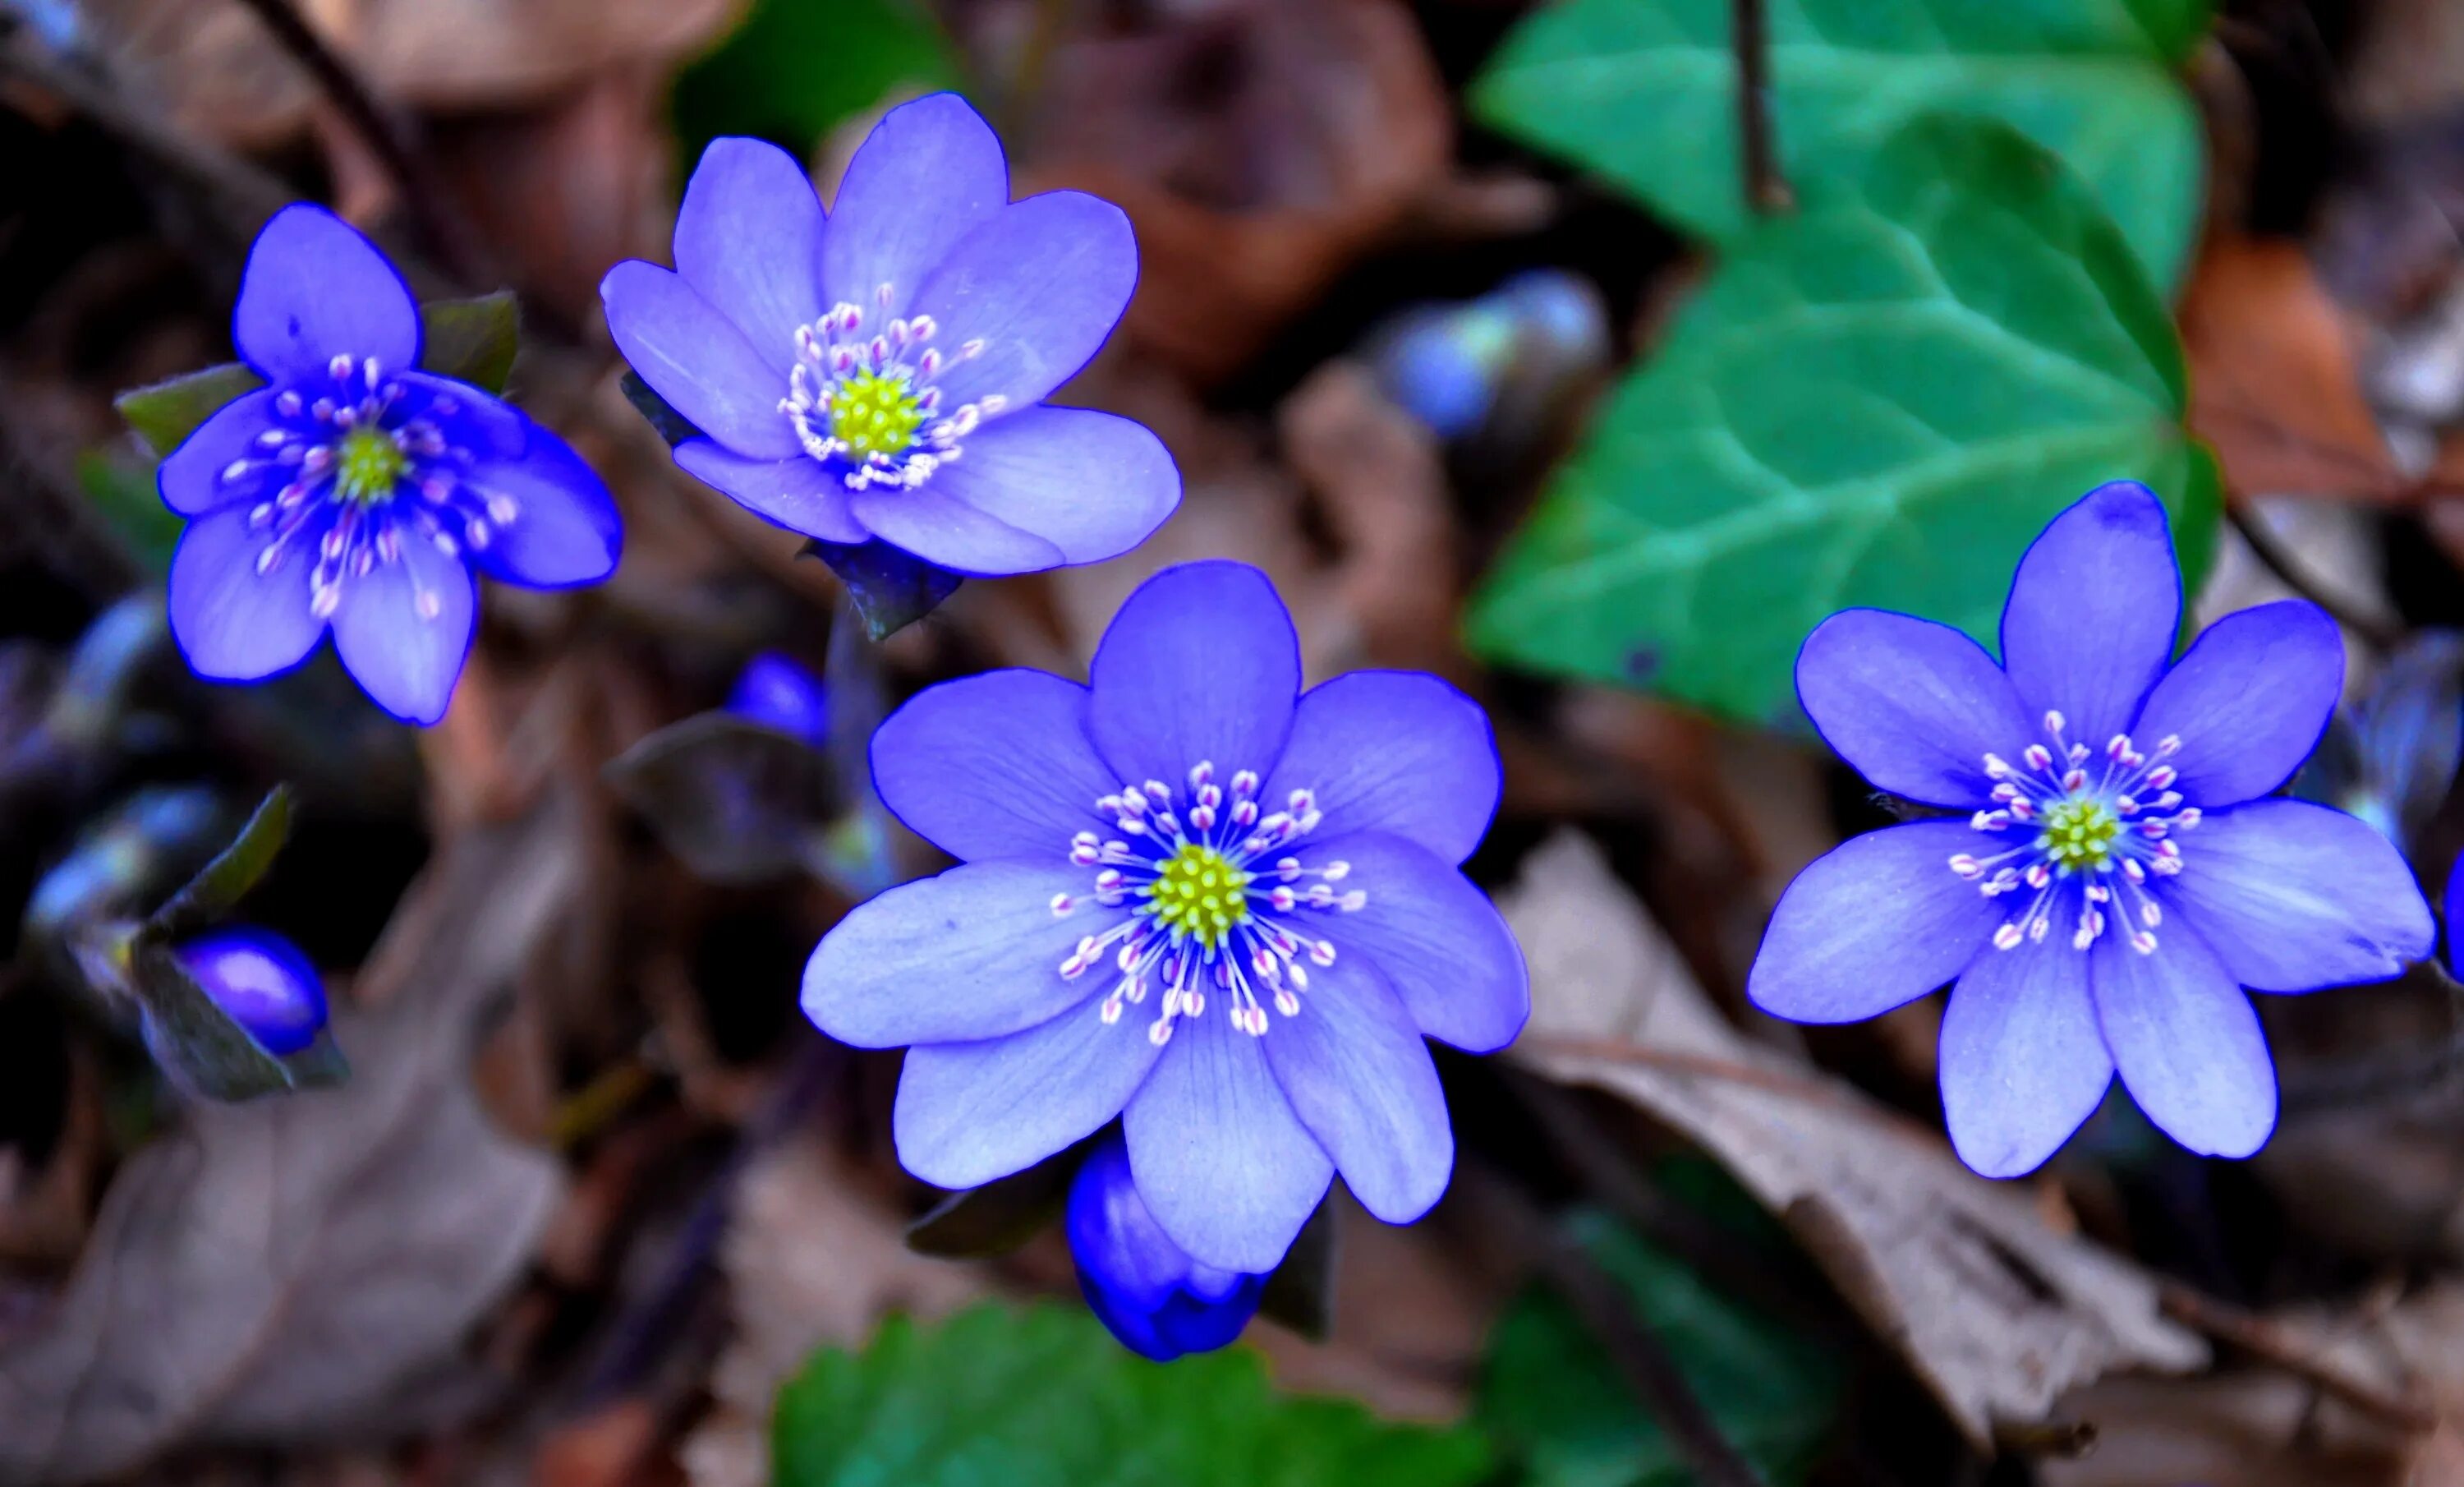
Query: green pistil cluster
x=874 y=414
x=2078 y=835
x=367 y=467
x=1201 y=894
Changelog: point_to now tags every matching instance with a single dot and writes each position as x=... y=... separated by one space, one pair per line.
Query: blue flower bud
x=262 y=981
x=1145 y=1288
x=778 y=692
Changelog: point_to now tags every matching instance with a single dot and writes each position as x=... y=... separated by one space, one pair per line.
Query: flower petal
x=2292 y=896
x=1042 y=286
x=973 y=953
x=694 y=357
x=2092 y=612
x=314 y=289
x=1359 y=1078
x=1443 y=948
x=1225 y=1165
x=927 y=174
x=2249 y=703
x=1091 y=484
x=565 y=529
x=749 y=241
x=190 y=476
x=993 y=766
x=2187 y=1041
x=1878 y=921
x=942 y=530
x=403 y=630
x=1200 y=665
x=1397 y=751
x=2023 y=1062
x=1911 y=705
x=233 y=623
x=970 y=1112
x=799 y=492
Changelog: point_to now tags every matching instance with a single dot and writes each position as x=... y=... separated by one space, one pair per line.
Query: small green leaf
x=673 y=425
x=167 y=412
x=737 y=800
x=999 y=1216
x=794 y=71
x=205 y=1052
x=211 y=896
x=123 y=491
x=1879 y=399
x=1044 y=1397
x=890 y=587
x=473 y=341
x=1553 y=1400
x=1644 y=91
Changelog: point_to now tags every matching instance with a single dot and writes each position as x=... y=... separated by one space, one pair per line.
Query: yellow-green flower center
x=2079 y=834
x=1199 y=892
x=367 y=466
x=874 y=414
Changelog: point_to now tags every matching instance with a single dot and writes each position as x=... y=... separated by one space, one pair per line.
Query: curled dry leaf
x=308 y=1266
x=1997 y=1314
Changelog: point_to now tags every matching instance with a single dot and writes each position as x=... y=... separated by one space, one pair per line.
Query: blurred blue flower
x=881 y=371
x=1155 y=1298
x=2390 y=758
x=1193 y=897
x=777 y=690
x=2084 y=935
x=262 y=982
x=356 y=491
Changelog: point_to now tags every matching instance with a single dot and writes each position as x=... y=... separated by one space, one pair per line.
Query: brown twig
x=2264 y=1339
x=2374 y=632
x=1766 y=188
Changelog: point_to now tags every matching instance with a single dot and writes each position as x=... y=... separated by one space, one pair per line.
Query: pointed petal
x=938 y=527
x=1091 y=484
x=927 y=174
x=973 y=953
x=697 y=360
x=993 y=766
x=2023 y=1062
x=233 y=623
x=2187 y=1041
x=970 y=1112
x=1201 y=665
x=1359 y=1078
x=2293 y=897
x=1225 y=1165
x=190 y=476
x=2092 y=612
x=799 y=492
x=404 y=628
x=315 y=289
x=2249 y=703
x=1444 y=948
x=1394 y=751
x=564 y=530
x=1877 y=921
x=1911 y=705
x=749 y=241
x=1041 y=285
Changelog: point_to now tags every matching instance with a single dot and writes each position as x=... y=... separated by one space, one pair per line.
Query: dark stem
x=2267 y=1340
x=440 y=230
x=1765 y=189
x=2375 y=632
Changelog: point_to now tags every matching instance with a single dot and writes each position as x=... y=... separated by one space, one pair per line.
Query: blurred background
x=1489 y=331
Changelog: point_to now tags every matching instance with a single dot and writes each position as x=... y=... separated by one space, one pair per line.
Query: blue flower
x=881 y=373
x=1155 y=1297
x=356 y=492
x=2114 y=879
x=1194 y=898
x=777 y=690
x=262 y=982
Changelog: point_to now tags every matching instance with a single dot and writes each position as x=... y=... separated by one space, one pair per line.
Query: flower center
x=862 y=397
x=2078 y=833
x=1200 y=894
x=872 y=414
x=367 y=465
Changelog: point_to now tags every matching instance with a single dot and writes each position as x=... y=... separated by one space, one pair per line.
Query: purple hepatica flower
x=778 y=691
x=1190 y=897
x=2114 y=879
x=356 y=491
x=1145 y=1288
x=882 y=373
x=262 y=982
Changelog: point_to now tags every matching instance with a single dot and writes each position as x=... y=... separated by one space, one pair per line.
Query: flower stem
x=1766 y=188
x=2375 y=632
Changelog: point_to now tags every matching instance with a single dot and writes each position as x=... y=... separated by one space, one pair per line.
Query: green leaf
x=211 y=896
x=1552 y=1399
x=794 y=71
x=1879 y=399
x=1044 y=1397
x=122 y=490
x=1644 y=92
x=473 y=341
x=167 y=412
x=890 y=587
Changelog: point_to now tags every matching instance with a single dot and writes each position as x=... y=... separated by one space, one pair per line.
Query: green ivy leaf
x=1552 y=1399
x=1644 y=92
x=1044 y=1397
x=169 y=412
x=1879 y=399
x=473 y=341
